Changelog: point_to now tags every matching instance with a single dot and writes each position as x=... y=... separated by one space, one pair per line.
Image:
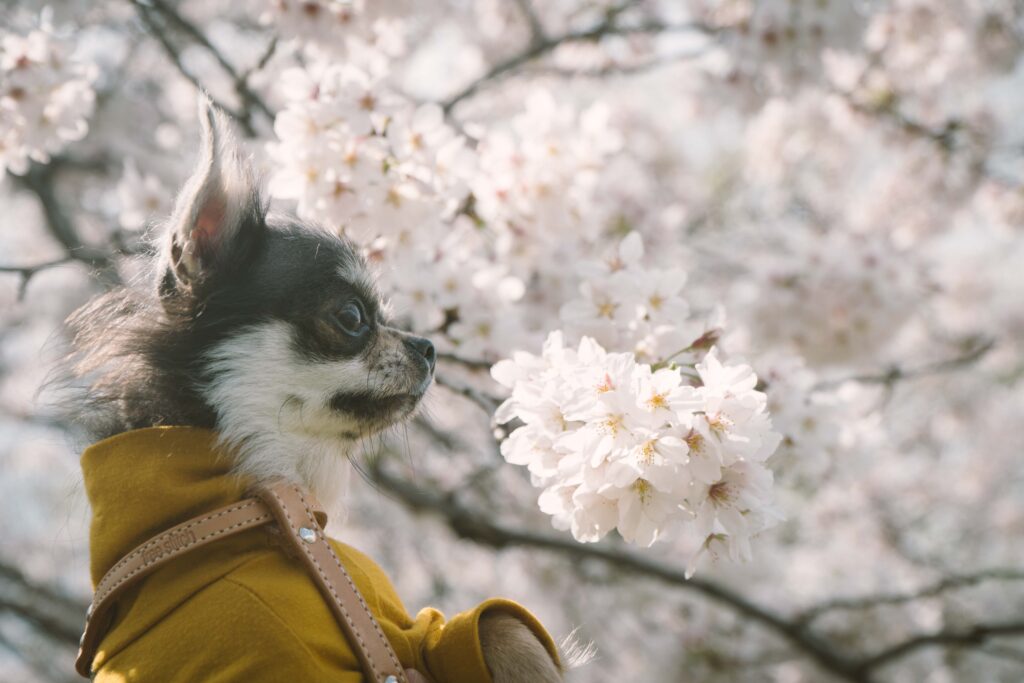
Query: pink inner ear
x=206 y=234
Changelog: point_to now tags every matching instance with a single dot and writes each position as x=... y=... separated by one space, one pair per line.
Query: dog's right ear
x=218 y=218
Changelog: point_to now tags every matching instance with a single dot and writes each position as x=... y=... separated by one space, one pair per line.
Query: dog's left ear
x=218 y=217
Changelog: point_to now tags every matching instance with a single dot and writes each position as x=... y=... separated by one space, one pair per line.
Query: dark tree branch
x=27 y=272
x=932 y=590
x=973 y=636
x=643 y=67
x=171 y=51
x=945 y=138
x=890 y=377
x=537 y=33
x=57 y=616
x=540 y=47
x=953 y=135
x=262 y=62
x=475 y=526
x=1003 y=652
x=38 y=654
x=486 y=402
x=250 y=102
x=471 y=363
x=39 y=180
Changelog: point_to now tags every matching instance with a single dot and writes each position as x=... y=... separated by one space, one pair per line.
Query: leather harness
x=300 y=520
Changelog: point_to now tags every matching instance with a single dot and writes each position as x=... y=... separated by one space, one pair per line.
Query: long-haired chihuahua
x=271 y=332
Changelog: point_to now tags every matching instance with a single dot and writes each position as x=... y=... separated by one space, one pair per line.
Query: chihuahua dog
x=271 y=332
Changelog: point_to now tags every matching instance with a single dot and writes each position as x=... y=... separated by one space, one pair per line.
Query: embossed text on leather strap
x=152 y=554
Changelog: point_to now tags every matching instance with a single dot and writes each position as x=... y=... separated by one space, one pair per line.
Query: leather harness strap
x=155 y=552
x=296 y=513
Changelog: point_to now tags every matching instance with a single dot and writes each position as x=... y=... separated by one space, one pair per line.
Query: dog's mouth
x=371 y=408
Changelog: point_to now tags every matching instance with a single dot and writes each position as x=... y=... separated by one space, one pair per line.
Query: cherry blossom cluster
x=361 y=159
x=46 y=97
x=395 y=177
x=542 y=171
x=617 y=444
x=335 y=26
x=625 y=304
x=781 y=43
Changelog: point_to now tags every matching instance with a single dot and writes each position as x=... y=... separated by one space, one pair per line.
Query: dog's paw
x=513 y=653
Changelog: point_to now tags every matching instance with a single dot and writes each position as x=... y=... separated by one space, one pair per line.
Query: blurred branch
x=937 y=588
x=541 y=46
x=39 y=180
x=153 y=12
x=173 y=55
x=447 y=440
x=475 y=526
x=471 y=363
x=485 y=401
x=1003 y=652
x=945 y=138
x=38 y=654
x=975 y=635
x=27 y=272
x=896 y=373
x=261 y=63
x=625 y=69
x=50 y=612
x=537 y=33
x=953 y=135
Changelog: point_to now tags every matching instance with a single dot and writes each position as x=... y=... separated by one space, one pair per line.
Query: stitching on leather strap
x=330 y=586
x=348 y=578
x=158 y=539
x=108 y=587
x=100 y=597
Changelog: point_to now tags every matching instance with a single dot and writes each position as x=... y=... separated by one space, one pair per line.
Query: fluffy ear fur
x=218 y=216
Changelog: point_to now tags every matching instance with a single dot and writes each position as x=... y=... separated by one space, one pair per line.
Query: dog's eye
x=350 y=319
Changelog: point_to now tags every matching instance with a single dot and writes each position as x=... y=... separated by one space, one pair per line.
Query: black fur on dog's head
x=265 y=329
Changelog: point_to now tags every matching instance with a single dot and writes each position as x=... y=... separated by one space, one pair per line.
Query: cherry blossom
x=46 y=96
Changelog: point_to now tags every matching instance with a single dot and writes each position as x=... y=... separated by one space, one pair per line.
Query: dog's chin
x=363 y=415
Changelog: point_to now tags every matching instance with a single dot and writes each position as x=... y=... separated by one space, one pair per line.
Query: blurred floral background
x=800 y=224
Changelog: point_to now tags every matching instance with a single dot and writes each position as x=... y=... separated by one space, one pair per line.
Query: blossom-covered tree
x=726 y=293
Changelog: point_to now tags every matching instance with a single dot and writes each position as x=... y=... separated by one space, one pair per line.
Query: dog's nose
x=424 y=348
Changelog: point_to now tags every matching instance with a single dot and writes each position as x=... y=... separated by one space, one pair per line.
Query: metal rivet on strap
x=309 y=536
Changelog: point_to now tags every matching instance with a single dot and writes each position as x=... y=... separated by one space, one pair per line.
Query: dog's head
x=275 y=326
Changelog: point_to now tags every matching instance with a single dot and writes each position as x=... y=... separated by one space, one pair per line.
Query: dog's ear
x=218 y=218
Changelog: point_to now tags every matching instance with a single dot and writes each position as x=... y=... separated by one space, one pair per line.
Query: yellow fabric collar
x=142 y=482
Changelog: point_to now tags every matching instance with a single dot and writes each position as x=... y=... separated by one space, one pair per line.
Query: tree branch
x=537 y=33
x=39 y=181
x=171 y=51
x=486 y=402
x=27 y=272
x=58 y=616
x=540 y=47
x=896 y=373
x=249 y=101
x=643 y=67
x=976 y=635
x=475 y=526
x=471 y=363
x=932 y=590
